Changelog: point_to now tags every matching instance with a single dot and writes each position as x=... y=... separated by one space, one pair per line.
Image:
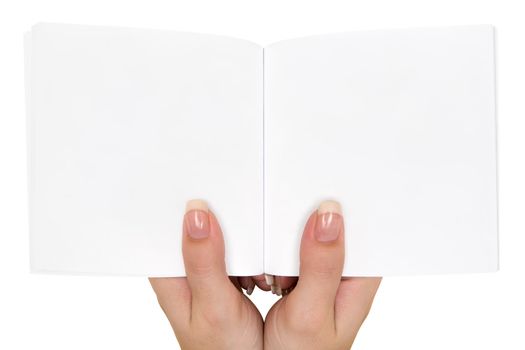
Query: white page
x=399 y=126
x=127 y=125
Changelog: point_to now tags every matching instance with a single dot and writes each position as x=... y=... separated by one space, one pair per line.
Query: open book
x=126 y=125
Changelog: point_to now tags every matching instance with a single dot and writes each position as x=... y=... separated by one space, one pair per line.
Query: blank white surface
x=398 y=126
x=126 y=126
x=481 y=311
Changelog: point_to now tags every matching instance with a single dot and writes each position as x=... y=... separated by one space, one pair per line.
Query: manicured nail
x=268 y=279
x=249 y=291
x=329 y=222
x=196 y=219
x=277 y=285
x=278 y=291
x=274 y=289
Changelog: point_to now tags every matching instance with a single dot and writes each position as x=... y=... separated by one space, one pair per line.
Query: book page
x=399 y=126
x=125 y=126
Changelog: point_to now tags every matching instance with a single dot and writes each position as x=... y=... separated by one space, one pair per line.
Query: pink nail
x=329 y=224
x=196 y=219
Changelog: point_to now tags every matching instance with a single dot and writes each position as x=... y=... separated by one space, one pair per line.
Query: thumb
x=203 y=252
x=322 y=259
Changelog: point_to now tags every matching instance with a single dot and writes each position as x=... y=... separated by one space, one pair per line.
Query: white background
x=436 y=312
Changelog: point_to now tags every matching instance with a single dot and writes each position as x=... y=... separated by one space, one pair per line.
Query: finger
x=247 y=283
x=236 y=282
x=354 y=300
x=174 y=297
x=280 y=285
x=203 y=252
x=322 y=259
x=270 y=281
x=285 y=282
x=260 y=281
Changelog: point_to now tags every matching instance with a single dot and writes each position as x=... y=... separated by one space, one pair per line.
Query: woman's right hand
x=323 y=311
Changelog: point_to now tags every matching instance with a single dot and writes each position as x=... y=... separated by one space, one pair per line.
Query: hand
x=206 y=309
x=323 y=311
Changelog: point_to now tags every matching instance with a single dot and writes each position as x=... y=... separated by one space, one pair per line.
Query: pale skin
x=319 y=310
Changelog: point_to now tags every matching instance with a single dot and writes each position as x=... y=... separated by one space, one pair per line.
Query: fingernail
x=268 y=279
x=278 y=291
x=329 y=222
x=274 y=289
x=249 y=291
x=196 y=219
x=277 y=284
